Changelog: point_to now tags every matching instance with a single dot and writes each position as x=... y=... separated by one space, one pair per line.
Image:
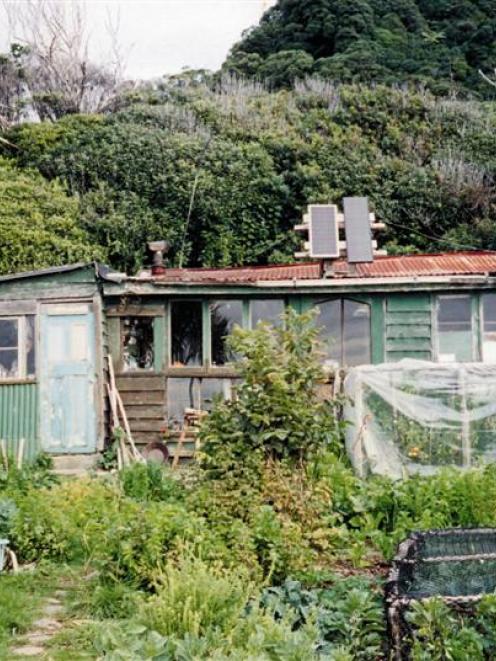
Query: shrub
x=151 y=481
x=276 y=412
x=194 y=597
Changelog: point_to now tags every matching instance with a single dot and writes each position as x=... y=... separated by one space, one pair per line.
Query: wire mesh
x=456 y=565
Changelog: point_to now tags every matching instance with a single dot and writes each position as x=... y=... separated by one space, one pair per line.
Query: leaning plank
x=120 y=405
x=179 y=448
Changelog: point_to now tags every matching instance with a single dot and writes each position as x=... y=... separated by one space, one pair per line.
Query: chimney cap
x=158 y=246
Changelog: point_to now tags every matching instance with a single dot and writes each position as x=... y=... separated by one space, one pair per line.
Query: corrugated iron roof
x=242 y=274
x=391 y=266
x=460 y=263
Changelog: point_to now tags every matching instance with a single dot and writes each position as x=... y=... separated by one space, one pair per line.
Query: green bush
x=38 y=224
x=276 y=412
x=151 y=481
x=195 y=597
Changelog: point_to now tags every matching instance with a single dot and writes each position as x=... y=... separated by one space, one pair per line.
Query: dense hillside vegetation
x=225 y=173
x=439 y=43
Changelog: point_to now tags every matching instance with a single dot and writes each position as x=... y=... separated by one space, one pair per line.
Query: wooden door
x=68 y=379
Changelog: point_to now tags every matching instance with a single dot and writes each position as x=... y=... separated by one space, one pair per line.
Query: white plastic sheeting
x=416 y=417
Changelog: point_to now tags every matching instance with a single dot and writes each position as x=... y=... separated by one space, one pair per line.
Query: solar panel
x=358 y=230
x=323 y=231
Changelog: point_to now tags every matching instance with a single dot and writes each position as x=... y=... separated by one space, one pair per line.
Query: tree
x=38 y=224
x=51 y=70
x=439 y=44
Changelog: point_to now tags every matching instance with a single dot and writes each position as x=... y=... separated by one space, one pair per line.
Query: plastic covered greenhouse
x=416 y=417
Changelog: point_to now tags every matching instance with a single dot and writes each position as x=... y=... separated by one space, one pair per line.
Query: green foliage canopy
x=38 y=223
x=439 y=44
x=225 y=173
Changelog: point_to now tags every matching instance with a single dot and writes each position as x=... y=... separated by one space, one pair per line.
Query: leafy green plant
x=349 y=615
x=440 y=635
x=276 y=412
x=151 y=481
x=194 y=597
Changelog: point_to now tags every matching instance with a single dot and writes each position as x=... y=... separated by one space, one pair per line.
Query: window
x=137 y=343
x=224 y=315
x=268 y=310
x=489 y=328
x=345 y=332
x=193 y=393
x=17 y=347
x=454 y=329
x=186 y=334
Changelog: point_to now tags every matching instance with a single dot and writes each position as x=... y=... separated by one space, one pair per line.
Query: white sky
x=163 y=36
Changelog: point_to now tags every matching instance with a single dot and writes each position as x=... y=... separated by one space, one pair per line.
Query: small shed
x=52 y=339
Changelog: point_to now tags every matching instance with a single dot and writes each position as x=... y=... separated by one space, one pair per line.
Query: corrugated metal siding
x=19 y=417
x=408 y=327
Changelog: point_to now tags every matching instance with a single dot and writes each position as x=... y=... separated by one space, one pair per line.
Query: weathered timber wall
x=408 y=332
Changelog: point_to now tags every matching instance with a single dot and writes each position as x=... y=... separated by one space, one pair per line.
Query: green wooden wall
x=408 y=327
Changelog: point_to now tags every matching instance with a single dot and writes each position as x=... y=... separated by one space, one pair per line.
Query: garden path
x=51 y=621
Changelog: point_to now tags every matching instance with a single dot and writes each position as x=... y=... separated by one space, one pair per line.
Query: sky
x=161 y=37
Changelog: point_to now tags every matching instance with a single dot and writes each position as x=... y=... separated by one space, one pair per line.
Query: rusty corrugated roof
x=391 y=266
x=460 y=263
x=242 y=274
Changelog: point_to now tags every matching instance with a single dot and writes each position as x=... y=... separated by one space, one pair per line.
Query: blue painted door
x=68 y=379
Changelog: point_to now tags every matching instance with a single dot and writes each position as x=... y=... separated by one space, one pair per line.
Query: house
x=165 y=329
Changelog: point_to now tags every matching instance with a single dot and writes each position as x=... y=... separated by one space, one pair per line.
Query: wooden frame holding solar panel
x=323 y=231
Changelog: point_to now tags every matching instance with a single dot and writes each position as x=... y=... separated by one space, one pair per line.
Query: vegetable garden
x=270 y=547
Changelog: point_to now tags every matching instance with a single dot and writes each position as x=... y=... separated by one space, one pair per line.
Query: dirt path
x=50 y=622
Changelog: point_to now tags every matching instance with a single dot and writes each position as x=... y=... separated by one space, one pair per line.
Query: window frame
x=22 y=354
x=208 y=368
x=353 y=299
x=284 y=300
x=481 y=321
x=475 y=327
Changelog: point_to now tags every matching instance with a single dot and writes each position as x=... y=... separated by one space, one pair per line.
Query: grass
x=21 y=597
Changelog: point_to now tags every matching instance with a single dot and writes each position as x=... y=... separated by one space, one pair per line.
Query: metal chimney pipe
x=158 y=248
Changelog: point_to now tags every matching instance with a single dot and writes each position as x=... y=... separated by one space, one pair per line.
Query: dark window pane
x=329 y=323
x=30 y=347
x=137 y=343
x=489 y=329
x=454 y=325
x=186 y=333
x=224 y=315
x=9 y=364
x=356 y=320
x=9 y=333
x=268 y=310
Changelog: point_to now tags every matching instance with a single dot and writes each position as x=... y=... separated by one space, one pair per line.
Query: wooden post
x=466 y=446
x=20 y=453
x=5 y=458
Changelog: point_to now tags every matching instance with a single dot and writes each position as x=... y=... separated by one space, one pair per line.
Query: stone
x=28 y=650
x=46 y=624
